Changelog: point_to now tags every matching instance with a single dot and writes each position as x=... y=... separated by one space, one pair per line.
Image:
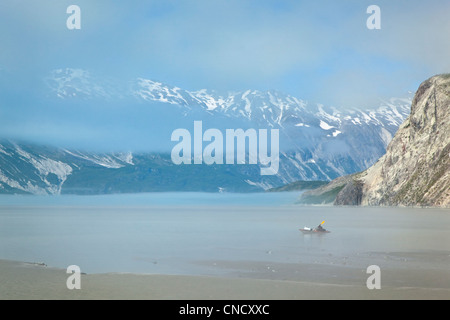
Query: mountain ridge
x=78 y=83
x=316 y=142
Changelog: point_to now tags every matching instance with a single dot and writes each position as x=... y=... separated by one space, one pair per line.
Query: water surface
x=196 y=233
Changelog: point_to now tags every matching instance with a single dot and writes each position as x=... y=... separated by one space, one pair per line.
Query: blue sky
x=319 y=51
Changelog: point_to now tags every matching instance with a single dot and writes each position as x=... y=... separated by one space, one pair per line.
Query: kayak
x=311 y=231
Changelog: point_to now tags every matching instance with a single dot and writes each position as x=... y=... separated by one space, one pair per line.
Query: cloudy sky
x=319 y=51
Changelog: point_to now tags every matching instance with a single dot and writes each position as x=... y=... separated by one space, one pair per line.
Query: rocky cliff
x=415 y=171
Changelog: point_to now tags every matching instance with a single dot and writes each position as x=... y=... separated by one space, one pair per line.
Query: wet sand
x=30 y=281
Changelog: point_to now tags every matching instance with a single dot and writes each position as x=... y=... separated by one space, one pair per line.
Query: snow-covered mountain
x=317 y=142
x=29 y=168
x=275 y=109
x=36 y=169
x=269 y=108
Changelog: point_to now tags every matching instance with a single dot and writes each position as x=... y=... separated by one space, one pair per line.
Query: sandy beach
x=32 y=281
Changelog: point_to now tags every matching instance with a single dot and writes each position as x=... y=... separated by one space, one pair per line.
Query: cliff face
x=415 y=171
x=416 y=167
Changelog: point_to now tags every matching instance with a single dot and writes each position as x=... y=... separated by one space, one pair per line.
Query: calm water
x=173 y=233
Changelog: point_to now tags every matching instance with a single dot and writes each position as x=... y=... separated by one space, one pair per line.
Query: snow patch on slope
x=336 y=133
x=106 y=161
x=325 y=126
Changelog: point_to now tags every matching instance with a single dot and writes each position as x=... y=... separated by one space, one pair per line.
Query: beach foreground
x=30 y=281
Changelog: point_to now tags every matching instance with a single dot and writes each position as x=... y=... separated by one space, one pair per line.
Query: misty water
x=195 y=233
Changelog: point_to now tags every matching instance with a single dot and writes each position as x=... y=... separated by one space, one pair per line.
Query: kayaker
x=320 y=228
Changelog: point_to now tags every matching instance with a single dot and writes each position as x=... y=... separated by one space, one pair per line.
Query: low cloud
x=319 y=51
